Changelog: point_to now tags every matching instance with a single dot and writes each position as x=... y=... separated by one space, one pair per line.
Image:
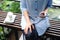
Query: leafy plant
x=12 y=6
x=8 y=5
x=8 y=0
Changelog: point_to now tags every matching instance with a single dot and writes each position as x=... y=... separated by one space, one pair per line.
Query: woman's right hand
x=28 y=26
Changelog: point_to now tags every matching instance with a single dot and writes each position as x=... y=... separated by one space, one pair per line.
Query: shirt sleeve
x=23 y=5
x=49 y=3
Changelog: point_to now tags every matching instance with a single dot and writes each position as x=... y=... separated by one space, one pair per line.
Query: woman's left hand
x=42 y=14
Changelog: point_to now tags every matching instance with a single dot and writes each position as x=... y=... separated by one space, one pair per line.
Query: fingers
x=42 y=15
x=30 y=29
x=42 y=12
x=32 y=26
x=26 y=30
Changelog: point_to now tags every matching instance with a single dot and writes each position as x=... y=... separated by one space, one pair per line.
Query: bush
x=12 y=6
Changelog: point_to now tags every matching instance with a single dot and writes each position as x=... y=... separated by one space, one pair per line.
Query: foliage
x=1 y=34
x=8 y=0
x=8 y=5
x=54 y=13
x=12 y=6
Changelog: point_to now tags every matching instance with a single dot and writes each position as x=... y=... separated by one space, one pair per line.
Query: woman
x=35 y=12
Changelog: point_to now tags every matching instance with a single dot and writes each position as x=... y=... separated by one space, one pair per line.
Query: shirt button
x=35 y=9
x=36 y=1
x=35 y=16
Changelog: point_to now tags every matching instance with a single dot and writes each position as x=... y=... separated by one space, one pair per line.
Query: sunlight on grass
x=54 y=12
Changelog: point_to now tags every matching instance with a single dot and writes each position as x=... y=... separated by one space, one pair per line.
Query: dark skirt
x=33 y=35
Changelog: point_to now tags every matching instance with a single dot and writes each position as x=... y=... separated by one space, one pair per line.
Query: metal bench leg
x=16 y=34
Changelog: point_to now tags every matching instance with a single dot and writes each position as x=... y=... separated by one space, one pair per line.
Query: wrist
x=45 y=13
x=46 y=10
x=28 y=21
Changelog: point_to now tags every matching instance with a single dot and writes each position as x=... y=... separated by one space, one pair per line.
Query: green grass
x=54 y=12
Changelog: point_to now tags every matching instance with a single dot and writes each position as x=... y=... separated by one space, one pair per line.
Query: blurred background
x=14 y=6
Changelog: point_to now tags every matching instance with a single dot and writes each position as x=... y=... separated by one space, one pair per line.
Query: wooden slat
x=52 y=34
x=15 y=24
x=54 y=29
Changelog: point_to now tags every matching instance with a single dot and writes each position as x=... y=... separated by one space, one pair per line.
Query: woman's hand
x=42 y=14
x=28 y=26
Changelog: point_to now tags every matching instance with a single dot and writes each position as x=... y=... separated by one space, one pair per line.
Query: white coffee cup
x=10 y=15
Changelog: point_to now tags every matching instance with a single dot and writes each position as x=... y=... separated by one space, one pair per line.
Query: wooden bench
x=53 y=31
x=14 y=26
